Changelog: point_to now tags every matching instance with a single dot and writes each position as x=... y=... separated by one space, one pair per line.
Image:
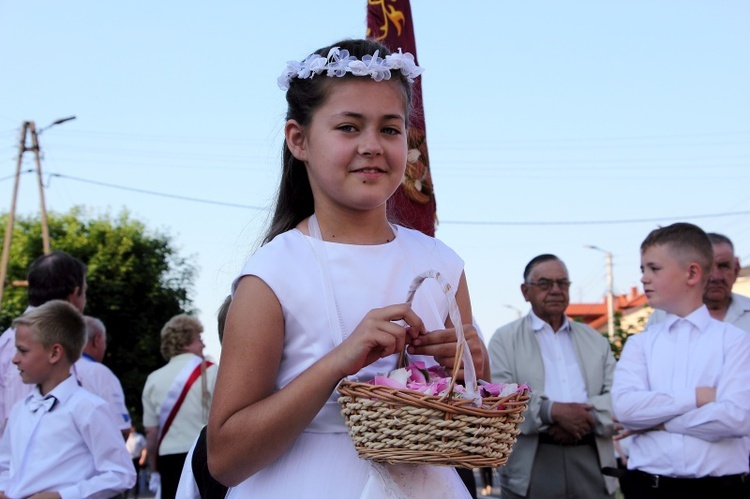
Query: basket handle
x=463 y=353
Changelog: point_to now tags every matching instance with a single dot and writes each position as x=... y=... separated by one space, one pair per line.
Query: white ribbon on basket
x=470 y=374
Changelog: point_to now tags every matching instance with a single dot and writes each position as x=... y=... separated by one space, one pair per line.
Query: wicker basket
x=390 y=425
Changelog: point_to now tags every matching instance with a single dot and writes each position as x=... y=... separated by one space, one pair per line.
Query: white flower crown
x=339 y=62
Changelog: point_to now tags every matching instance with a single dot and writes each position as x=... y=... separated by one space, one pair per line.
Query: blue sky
x=551 y=125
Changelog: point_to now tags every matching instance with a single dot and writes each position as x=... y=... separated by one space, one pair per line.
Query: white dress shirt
x=738 y=312
x=655 y=382
x=100 y=380
x=563 y=381
x=135 y=445
x=72 y=449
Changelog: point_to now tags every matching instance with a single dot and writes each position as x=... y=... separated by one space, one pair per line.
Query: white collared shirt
x=655 y=382
x=738 y=312
x=73 y=449
x=100 y=380
x=563 y=381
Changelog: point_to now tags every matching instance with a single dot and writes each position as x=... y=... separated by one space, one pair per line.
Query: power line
x=126 y=136
x=494 y=164
x=243 y=166
x=598 y=222
x=161 y=194
x=442 y=222
x=193 y=139
x=150 y=153
x=13 y=176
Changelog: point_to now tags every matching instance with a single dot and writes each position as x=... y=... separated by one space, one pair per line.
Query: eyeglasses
x=547 y=284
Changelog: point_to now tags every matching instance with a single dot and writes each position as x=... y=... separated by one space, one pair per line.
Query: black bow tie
x=47 y=403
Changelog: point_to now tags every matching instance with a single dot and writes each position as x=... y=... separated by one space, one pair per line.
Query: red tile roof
x=595 y=314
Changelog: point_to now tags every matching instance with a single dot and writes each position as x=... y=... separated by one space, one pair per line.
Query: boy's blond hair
x=687 y=242
x=57 y=322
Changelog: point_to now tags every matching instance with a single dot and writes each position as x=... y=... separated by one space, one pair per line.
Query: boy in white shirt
x=682 y=387
x=59 y=442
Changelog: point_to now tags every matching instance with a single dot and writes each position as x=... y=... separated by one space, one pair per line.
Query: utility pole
x=28 y=128
x=45 y=226
x=12 y=213
x=610 y=292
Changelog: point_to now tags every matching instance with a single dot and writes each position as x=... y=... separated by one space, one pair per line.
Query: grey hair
x=94 y=326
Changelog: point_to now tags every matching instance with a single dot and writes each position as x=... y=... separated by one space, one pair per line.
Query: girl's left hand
x=441 y=344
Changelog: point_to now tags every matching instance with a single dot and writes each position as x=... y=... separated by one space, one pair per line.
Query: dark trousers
x=645 y=486
x=486 y=476
x=170 y=469
x=467 y=476
x=136 y=488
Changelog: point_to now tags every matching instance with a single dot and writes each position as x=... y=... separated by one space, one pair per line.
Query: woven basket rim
x=513 y=403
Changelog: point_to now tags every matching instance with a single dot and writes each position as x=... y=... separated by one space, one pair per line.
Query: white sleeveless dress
x=322 y=462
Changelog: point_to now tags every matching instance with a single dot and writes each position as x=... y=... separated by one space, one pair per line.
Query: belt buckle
x=655 y=485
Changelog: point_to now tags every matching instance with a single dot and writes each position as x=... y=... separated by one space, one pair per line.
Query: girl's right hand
x=377 y=336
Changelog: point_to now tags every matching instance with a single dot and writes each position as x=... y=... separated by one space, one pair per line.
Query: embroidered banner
x=413 y=204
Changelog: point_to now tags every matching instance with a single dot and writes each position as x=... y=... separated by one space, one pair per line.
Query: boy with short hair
x=59 y=442
x=682 y=387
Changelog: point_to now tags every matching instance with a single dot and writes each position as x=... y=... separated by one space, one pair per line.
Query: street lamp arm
x=62 y=120
x=56 y=122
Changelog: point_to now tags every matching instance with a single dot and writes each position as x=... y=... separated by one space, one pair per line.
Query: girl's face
x=355 y=145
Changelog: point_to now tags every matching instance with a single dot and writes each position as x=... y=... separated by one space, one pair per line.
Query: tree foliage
x=136 y=282
x=624 y=330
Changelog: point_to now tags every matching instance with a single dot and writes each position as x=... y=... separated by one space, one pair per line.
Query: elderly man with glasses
x=566 y=437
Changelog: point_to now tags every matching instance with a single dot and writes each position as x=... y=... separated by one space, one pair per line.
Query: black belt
x=675 y=483
x=588 y=439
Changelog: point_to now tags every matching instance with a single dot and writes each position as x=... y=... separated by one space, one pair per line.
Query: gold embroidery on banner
x=390 y=16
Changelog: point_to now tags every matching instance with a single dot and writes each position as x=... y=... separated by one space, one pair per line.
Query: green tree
x=136 y=282
x=623 y=332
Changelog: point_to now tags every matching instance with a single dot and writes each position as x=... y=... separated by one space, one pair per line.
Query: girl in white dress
x=323 y=297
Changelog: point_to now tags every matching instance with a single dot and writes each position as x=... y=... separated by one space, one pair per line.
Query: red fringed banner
x=413 y=204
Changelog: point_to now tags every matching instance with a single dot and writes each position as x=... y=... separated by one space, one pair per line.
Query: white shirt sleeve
x=115 y=398
x=727 y=417
x=100 y=380
x=114 y=468
x=635 y=404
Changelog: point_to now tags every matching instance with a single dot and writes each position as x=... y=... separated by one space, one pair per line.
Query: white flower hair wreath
x=339 y=62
